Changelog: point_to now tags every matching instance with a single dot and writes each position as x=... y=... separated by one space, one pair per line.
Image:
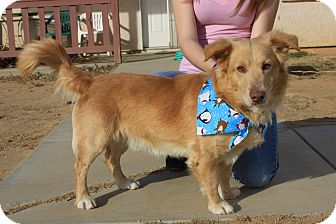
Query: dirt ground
x=309 y=101
x=29 y=111
x=266 y=219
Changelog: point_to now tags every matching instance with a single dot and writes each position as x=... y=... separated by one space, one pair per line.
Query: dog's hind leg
x=113 y=152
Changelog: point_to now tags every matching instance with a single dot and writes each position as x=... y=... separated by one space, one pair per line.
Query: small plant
x=298 y=54
x=99 y=69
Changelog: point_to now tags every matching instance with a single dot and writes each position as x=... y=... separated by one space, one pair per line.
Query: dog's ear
x=281 y=42
x=219 y=49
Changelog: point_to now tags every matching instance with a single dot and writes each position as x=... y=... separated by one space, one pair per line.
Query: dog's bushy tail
x=51 y=53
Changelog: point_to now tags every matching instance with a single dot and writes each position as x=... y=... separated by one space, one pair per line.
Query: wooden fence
x=59 y=6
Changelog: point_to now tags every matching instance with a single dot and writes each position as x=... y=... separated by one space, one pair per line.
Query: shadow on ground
x=154 y=177
x=294 y=164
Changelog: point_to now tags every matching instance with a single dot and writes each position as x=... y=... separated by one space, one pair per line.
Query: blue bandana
x=214 y=116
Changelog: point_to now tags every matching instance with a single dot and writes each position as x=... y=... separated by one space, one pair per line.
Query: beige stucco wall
x=313 y=23
x=174 y=41
x=130 y=22
x=18 y=30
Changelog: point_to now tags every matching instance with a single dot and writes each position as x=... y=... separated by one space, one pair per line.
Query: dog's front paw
x=221 y=208
x=85 y=203
x=230 y=195
x=130 y=185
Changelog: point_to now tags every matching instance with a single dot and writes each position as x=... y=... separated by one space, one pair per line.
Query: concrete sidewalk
x=305 y=182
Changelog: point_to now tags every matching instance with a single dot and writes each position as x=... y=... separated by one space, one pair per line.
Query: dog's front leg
x=224 y=189
x=204 y=167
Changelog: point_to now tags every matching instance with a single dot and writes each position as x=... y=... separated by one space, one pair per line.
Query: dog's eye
x=266 y=66
x=241 y=69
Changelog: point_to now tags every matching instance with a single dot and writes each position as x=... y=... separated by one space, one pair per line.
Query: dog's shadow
x=154 y=177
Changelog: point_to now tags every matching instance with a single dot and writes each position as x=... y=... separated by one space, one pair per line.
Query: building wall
x=174 y=41
x=313 y=23
x=130 y=23
x=18 y=31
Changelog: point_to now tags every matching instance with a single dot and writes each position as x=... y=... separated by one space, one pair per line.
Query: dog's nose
x=257 y=96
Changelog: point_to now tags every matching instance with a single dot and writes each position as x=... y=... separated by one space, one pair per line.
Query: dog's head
x=251 y=74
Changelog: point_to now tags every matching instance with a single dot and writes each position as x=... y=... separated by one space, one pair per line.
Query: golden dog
x=119 y=111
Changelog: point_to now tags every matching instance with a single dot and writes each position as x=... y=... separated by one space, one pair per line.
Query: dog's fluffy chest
x=158 y=147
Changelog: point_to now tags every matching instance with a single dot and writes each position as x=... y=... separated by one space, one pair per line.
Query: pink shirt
x=214 y=20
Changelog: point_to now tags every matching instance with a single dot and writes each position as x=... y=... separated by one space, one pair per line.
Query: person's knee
x=257 y=181
x=168 y=74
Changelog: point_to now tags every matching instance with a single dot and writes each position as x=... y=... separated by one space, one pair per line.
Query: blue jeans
x=256 y=167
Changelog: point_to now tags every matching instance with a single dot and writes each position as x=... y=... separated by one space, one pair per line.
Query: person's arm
x=187 y=34
x=265 y=20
